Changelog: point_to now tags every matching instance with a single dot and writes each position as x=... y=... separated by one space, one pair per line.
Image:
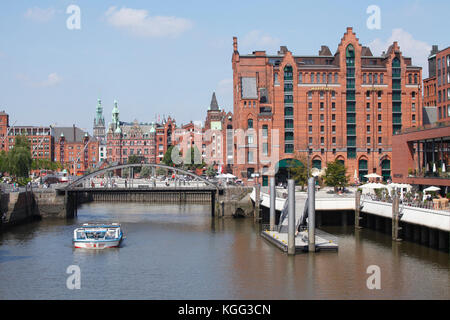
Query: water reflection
x=179 y=252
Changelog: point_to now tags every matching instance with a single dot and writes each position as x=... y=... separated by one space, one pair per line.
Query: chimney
x=235 y=45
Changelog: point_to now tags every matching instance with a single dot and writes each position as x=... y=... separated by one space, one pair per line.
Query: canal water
x=179 y=252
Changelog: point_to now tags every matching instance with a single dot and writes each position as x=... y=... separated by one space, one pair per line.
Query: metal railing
x=406 y=202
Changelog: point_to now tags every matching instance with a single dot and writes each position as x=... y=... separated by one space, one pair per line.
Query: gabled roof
x=71 y=134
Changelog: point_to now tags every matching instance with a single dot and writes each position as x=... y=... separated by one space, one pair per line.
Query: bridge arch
x=73 y=184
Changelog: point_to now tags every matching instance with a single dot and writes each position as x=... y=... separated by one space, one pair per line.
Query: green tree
x=211 y=172
x=336 y=175
x=3 y=162
x=299 y=172
x=193 y=160
x=133 y=159
x=19 y=158
x=146 y=172
x=168 y=158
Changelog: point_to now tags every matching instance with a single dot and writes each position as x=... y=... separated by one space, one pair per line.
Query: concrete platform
x=280 y=240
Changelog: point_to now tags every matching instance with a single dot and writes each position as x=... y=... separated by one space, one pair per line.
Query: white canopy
x=370 y=187
x=373 y=186
x=372 y=175
x=225 y=176
x=399 y=185
x=432 y=188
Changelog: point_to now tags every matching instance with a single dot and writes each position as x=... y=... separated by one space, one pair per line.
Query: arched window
x=250 y=123
x=362 y=170
x=386 y=169
x=317 y=163
x=396 y=63
x=415 y=78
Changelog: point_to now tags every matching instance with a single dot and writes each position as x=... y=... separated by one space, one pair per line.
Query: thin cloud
x=140 y=23
x=257 y=40
x=52 y=80
x=410 y=47
x=40 y=15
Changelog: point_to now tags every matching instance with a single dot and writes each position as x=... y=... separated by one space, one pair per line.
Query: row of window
x=372 y=78
x=350 y=140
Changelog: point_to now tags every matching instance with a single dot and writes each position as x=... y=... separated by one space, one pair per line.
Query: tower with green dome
x=99 y=123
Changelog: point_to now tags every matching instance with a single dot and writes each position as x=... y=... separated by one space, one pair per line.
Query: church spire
x=214 y=105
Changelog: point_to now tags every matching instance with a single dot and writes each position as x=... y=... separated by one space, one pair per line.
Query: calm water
x=179 y=252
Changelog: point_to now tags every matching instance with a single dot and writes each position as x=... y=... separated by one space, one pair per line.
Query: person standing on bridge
x=125 y=183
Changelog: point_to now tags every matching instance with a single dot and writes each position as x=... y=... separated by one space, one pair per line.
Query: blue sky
x=167 y=57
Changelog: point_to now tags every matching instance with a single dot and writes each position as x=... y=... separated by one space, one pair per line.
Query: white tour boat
x=97 y=236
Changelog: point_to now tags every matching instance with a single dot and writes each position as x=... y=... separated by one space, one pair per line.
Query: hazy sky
x=167 y=57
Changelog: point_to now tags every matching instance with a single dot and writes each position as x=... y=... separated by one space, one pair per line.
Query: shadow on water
x=5 y=257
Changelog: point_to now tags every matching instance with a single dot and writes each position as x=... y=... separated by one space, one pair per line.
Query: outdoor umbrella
x=432 y=188
x=372 y=175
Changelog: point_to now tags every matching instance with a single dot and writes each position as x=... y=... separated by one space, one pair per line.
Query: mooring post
x=213 y=203
x=357 y=209
x=291 y=216
x=395 y=212
x=257 y=202
x=311 y=215
x=272 y=203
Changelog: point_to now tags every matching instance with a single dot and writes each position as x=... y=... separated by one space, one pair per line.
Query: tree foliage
x=336 y=175
x=19 y=158
x=169 y=157
x=211 y=172
x=193 y=159
x=299 y=172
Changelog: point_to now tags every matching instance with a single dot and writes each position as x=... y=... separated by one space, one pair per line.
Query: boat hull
x=97 y=245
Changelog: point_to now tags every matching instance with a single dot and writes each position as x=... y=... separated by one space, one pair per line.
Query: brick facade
x=436 y=88
x=342 y=106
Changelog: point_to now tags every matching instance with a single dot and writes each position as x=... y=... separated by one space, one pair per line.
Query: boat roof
x=100 y=225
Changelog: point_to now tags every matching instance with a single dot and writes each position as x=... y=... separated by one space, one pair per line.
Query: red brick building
x=40 y=138
x=342 y=106
x=421 y=156
x=218 y=137
x=75 y=149
x=436 y=88
x=149 y=141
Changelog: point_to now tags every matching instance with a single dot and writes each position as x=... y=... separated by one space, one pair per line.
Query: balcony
x=265 y=110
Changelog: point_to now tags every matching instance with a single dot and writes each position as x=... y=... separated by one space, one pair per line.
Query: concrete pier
x=423 y=235
x=416 y=234
x=444 y=240
x=432 y=239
